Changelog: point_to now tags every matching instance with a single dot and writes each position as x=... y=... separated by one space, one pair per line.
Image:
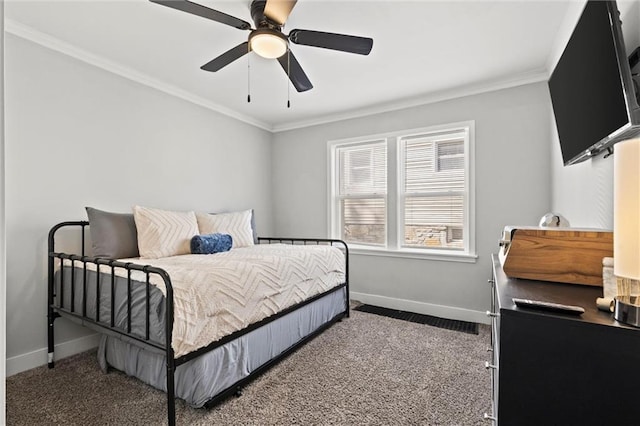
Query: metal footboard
x=106 y=268
x=57 y=308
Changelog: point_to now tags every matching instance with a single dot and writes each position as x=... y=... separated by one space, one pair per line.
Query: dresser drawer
x=552 y=368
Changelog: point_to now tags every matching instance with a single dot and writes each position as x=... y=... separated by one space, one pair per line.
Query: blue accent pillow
x=211 y=243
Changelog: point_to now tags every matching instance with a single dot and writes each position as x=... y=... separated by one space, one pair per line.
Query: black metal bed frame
x=56 y=308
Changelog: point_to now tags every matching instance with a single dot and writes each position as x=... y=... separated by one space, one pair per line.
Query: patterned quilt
x=218 y=294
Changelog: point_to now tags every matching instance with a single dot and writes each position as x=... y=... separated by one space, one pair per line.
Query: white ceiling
x=423 y=50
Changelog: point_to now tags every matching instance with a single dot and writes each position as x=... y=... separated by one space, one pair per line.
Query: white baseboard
x=24 y=362
x=441 y=311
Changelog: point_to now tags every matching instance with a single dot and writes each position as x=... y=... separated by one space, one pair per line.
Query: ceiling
x=422 y=51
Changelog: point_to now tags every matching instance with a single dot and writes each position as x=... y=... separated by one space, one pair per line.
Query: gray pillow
x=113 y=235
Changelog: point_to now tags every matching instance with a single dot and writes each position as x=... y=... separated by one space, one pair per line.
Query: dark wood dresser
x=560 y=369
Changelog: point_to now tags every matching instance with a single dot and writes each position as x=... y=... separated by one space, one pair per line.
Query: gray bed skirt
x=203 y=378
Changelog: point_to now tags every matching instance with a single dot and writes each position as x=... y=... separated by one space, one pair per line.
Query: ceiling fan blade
x=279 y=10
x=341 y=42
x=227 y=57
x=205 y=12
x=297 y=76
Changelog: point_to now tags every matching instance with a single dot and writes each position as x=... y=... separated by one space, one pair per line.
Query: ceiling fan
x=267 y=39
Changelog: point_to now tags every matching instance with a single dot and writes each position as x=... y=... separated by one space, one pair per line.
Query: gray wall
x=512 y=188
x=79 y=136
x=583 y=192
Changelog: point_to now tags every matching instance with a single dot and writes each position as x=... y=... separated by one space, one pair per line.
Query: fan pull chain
x=288 y=77
x=249 y=75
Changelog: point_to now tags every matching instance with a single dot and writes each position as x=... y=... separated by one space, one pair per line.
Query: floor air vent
x=449 y=324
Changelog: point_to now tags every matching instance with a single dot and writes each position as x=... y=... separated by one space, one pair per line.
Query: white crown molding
x=28 y=33
x=444 y=95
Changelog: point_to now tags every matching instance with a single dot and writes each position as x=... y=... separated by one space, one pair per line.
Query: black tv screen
x=587 y=86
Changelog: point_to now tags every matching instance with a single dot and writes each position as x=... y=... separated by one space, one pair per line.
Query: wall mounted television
x=592 y=91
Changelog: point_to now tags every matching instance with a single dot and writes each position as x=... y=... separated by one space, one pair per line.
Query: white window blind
x=433 y=191
x=362 y=190
x=450 y=155
x=363 y=169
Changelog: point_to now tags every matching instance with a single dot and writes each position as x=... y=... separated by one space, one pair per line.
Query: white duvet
x=216 y=295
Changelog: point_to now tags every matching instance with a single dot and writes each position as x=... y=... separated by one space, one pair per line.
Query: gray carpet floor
x=365 y=370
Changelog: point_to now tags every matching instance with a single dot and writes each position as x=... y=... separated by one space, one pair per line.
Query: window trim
x=395 y=194
x=333 y=208
x=337 y=196
x=453 y=132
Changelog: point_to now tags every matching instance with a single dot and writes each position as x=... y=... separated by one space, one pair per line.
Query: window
x=432 y=193
x=405 y=193
x=362 y=190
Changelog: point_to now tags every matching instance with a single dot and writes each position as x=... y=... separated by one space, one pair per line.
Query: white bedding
x=216 y=295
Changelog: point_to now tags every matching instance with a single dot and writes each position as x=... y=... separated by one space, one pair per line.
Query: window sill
x=445 y=256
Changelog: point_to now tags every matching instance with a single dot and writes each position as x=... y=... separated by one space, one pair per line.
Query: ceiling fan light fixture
x=268 y=43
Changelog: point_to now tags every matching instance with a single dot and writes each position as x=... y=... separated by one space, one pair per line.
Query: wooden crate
x=558 y=254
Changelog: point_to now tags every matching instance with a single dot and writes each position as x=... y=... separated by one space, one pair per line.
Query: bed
x=199 y=327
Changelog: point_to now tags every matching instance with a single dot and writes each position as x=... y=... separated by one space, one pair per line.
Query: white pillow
x=237 y=224
x=163 y=233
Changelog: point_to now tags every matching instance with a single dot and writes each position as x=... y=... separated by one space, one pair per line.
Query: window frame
x=435 y=137
x=395 y=194
x=335 y=218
